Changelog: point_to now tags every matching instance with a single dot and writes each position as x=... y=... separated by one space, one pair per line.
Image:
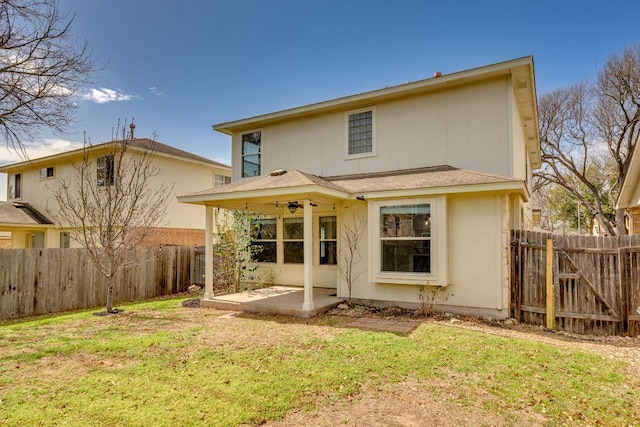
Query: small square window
x=221 y=180
x=360 y=133
x=46 y=172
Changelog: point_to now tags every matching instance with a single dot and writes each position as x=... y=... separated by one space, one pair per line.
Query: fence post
x=551 y=306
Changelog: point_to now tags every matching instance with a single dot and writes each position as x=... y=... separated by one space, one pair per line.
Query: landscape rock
x=510 y=322
x=343 y=306
x=454 y=321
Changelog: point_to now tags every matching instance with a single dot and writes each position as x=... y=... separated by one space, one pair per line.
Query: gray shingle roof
x=407 y=179
x=21 y=213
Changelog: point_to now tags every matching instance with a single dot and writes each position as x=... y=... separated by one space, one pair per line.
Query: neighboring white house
x=439 y=170
x=29 y=186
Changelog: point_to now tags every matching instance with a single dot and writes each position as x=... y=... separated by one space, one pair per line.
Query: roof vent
x=278 y=172
x=437 y=74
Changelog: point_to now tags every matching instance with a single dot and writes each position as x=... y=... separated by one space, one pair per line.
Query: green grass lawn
x=159 y=364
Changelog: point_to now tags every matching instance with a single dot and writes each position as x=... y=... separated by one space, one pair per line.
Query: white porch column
x=208 y=254
x=308 y=257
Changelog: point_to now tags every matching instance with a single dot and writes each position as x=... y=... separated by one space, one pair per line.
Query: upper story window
x=105 y=171
x=360 y=126
x=221 y=180
x=15 y=186
x=46 y=172
x=251 y=149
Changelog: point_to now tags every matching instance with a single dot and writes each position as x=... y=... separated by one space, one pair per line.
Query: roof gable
x=137 y=144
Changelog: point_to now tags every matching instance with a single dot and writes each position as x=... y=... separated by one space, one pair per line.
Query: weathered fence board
x=595 y=280
x=41 y=281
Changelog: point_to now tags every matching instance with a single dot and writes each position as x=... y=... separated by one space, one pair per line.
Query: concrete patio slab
x=276 y=300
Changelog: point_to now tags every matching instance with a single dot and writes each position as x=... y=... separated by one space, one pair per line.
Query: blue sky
x=178 y=67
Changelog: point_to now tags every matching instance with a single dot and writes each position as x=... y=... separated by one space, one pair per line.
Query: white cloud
x=104 y=95
x=155 y=91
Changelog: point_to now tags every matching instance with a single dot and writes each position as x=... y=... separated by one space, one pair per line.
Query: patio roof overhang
x=271 y=194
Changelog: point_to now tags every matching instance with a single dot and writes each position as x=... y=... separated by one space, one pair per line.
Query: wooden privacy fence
x=41 y=281
x=581 y=284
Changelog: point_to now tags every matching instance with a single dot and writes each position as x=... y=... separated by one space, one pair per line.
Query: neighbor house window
x=264 y=240
x=65 y=239
x=293 y=240
x=360 y=133
x=328 y=238
x=251 y=148
x=37 y=240
x=15 y=186
x=405 y=238
x=105 y=171
x=46 y=172
x=221 y=180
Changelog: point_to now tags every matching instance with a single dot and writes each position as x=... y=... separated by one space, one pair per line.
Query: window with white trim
x=293 y=240
x=221 y=180
x=328 y=239
x=15 y=186
x=405 y=238
x=46 y=172
x=360 y=133
x=408 y=241
x=251 y=150
x=105 y=170
x=264 y=239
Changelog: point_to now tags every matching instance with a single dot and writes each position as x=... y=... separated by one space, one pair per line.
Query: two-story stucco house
x=439 y=170
x=30 y=183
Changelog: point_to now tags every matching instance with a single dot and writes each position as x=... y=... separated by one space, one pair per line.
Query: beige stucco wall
x=185 y=177
x=468 y=127
x=477 y=255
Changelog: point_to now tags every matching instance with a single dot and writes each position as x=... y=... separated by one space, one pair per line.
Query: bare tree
x=108 y=206
x=591 y=124
x=351 y=232
x=42 y=68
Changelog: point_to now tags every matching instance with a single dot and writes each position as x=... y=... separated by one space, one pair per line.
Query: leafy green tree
x=234 y=250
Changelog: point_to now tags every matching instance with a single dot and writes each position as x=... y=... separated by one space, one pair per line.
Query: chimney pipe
x=133 y=129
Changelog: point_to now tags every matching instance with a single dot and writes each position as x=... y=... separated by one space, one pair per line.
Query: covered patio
x=279 y=194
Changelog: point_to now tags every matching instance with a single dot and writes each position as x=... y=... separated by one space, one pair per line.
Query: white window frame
x=262 y=241
x=323 y=239
x=220 y=180
x=373 y=151
x=260 y=152
x=286 y=240
x=102 y=164
x=438 y=275
x=15 y=190
x=44 y=172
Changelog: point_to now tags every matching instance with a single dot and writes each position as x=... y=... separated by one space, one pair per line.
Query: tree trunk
x=621 y=224
x=109 y=307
